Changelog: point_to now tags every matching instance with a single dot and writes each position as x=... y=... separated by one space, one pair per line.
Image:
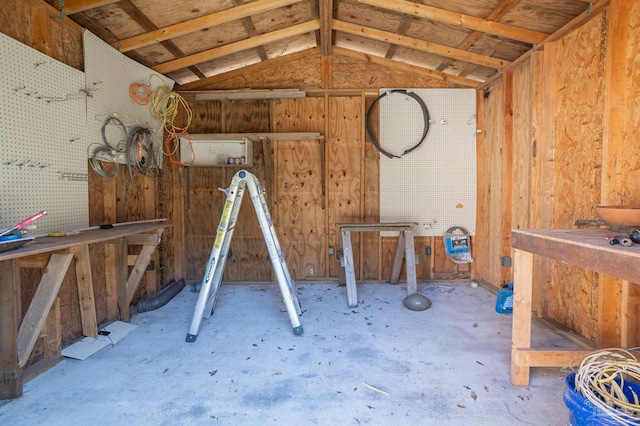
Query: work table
x=585 y=248
x=18 y=334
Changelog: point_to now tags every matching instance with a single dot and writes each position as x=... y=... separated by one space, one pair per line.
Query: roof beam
x=250 y=28
x=474 y=36
x=466 y=21
x=421 y=45
x=326 y=24
x=141 y=19
x=406 y=67
x=76 y=6
x=200 y=23
x=239 y=46
x=403 y=27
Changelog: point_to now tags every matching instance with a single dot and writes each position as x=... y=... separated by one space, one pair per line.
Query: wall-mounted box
x=209 y=151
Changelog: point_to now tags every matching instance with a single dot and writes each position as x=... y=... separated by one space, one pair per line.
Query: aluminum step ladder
x=215 y=267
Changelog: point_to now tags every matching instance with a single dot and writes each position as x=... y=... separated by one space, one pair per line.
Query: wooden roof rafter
x=421 y=45
x=200 y=23
x=238 y=46
x=474 y=36
x=77 y=6
x=141 y=19
x=454 y=18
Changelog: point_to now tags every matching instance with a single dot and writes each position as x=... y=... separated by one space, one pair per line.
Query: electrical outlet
x=310 y=271
x=330 y=251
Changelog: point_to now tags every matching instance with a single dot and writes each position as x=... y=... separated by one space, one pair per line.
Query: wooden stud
x=41 y=30
x=10 y=314
x=111 y=279
x=507 y=172
x=85 y=292
x=624 y=315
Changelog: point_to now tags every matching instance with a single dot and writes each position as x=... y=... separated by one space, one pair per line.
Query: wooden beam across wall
x=466 y=21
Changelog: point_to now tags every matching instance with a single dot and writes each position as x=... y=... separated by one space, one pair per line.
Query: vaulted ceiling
x=462 y=41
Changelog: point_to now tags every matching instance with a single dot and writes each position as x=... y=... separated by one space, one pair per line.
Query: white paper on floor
x=88 y=346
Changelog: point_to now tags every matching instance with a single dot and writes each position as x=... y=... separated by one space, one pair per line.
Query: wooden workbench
x=405 y=249
x=585 y=248
x=18 y=335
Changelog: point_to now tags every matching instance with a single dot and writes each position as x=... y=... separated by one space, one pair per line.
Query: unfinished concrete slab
x=377 y=364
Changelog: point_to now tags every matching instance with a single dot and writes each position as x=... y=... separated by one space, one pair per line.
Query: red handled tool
x=27 y=221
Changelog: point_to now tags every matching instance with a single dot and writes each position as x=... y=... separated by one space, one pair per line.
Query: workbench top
x=48 y=244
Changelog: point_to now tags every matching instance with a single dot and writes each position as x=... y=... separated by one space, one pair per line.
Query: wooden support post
x=41 y=304
x=410 y=262
x=521 y=334
x=10 y=312
x=397 y=260
x=349 y=271
x=118 y=249
x=624 y=315
x=110 y=271
x=85 y=292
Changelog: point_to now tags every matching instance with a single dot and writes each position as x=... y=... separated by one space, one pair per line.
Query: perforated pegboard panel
x=434 y=185
x=43 y=140
x=109 y=74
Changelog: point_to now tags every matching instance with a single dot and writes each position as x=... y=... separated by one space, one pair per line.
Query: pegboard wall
x=43 y=140
x=109 y=74
x=434 y=185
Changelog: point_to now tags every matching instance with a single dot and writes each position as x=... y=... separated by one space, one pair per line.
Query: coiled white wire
x=602 y=378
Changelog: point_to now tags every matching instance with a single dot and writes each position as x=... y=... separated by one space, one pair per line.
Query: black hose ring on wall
x=425 y=115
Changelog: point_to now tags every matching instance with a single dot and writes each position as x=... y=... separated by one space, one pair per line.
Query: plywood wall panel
x=249 y=260
x=301 y=225
x=344 y=148
x=349 y=73
x=299 y=115
x=207 y=117
x=578 y=150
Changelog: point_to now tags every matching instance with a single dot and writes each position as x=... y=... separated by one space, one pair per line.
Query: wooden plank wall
x=571 y=149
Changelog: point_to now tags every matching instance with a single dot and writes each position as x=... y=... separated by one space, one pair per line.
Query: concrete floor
x=377 y=364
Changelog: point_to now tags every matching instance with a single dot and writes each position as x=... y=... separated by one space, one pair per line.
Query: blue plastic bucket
x=582 y=412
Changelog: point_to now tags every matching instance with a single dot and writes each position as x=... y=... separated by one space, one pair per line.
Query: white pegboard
x=109 y=74
x=434 y=185
x=43 y=140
